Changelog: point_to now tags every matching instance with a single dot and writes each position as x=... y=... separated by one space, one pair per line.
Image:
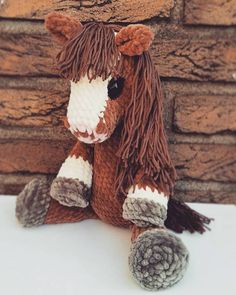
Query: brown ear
x=134 y=39
x=62 y=27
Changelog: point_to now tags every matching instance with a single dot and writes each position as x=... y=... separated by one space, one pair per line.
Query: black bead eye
x=115 y=87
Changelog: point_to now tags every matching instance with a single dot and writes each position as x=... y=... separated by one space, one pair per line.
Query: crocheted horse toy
x=119 y=170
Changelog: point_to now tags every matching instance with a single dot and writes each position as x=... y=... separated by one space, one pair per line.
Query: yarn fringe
x=92 y=52
x=181 y=217
x=143 y=145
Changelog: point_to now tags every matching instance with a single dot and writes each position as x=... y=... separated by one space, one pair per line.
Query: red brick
x=33 y=156
x=102 y=10
x=210 y=12
x=205 y=114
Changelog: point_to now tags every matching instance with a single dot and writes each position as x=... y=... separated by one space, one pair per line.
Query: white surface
x=91 y=257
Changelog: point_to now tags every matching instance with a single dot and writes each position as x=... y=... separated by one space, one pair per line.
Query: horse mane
x=143 y=145
x=92 y=52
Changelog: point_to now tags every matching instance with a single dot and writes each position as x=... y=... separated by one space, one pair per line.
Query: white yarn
x=77 y=168
x=86 y=106
x=147 y=193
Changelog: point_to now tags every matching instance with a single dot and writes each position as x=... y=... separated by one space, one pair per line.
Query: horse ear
x=62 y=27
x=134 y=39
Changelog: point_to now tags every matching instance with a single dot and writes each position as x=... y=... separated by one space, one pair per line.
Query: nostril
x=115 y=87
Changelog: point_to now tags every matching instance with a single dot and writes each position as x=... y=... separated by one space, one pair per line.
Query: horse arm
x=72 y=186
x=145 y=204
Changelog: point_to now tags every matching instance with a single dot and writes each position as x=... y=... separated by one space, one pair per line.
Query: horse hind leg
x=34 y=207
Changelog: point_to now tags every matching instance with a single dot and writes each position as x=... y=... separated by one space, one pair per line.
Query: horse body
x=104 y=202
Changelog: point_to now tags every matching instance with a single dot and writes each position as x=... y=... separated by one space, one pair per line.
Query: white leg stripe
x=147 y=193
x=77 y=168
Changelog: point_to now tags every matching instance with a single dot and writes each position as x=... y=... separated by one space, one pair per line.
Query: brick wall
x=195 y=50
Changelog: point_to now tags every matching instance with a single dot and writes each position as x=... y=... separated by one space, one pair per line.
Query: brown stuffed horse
x=120 y=170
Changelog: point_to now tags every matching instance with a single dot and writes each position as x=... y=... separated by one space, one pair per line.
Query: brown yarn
x=143 y=144
x=62 y=27
x=58 y=213
x=137 y=230
x=134 y=39
x=92 y=52
x=181 y=217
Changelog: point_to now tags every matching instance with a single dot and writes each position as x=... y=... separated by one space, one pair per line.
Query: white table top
x=91 y=257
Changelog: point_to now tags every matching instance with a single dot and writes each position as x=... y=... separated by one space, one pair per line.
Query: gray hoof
x=158 y=259
x=70 y=192
x=144 y=212
x=33 y=202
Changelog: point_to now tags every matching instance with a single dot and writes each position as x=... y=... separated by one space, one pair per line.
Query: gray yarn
x=144 y=212
x=33 y=202
x=158 y=259
x=70 y=192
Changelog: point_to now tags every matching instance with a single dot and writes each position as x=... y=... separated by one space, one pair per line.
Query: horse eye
x=115 y=87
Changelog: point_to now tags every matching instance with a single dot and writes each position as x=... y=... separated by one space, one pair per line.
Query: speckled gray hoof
x=33 y=202
x=70 y=192
x=144 y=212
x=158 y=259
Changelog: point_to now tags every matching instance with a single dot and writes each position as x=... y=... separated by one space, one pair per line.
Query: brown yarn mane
x=143 y=146
x=92 y=52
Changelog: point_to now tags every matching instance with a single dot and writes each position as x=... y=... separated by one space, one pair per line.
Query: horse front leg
x=46 y=201
x=72 y=186
x=34 y=206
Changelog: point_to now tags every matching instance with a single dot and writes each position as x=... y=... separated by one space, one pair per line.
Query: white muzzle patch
x=86 y=107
